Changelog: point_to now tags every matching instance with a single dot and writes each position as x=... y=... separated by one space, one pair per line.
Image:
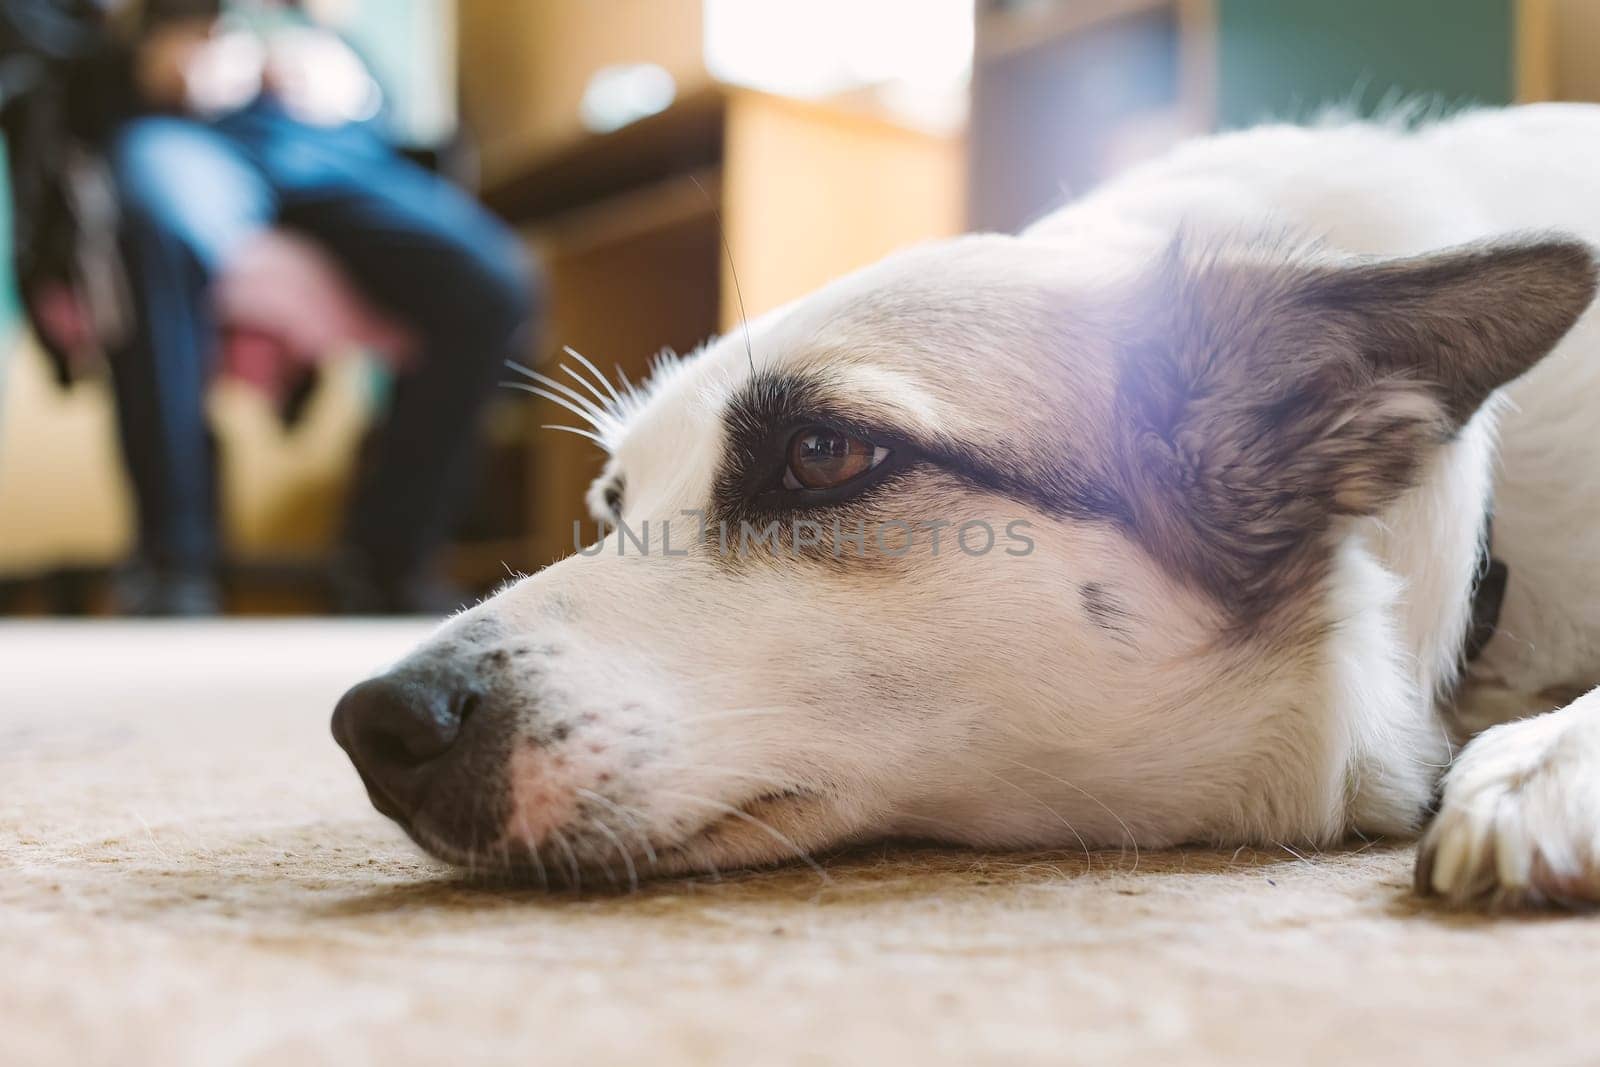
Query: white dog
x=1166 y=521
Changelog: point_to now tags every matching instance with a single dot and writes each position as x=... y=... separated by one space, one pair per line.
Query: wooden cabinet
x=525 y=65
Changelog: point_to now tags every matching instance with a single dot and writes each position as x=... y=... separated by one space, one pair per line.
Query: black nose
x=396 y=728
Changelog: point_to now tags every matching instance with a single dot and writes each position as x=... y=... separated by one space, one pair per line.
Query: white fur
x=1520 y=822
x=969 y=699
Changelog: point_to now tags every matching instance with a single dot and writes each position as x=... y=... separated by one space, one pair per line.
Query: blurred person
x=246 y=116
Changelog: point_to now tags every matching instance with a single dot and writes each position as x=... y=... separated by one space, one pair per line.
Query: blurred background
x=626 y=150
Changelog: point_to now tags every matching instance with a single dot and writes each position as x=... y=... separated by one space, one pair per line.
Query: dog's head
x=989 y=543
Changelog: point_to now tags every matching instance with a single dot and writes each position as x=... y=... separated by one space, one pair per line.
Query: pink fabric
x=63 y=315
x=283 y=303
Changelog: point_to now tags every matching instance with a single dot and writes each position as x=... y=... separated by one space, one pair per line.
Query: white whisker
x=726 y=772
x=777 y=835
x=572 y=858
x=627 y=860
x=533 y=848
x=571 y=394
x=627 y=386
x=598 y=424
x=624 y=812
x=605 y=404
x=1134 y=841
x=1062 y=819
x=596 y=438
x=601 y=378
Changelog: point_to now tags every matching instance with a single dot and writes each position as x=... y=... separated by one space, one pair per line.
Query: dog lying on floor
x=1165 y=522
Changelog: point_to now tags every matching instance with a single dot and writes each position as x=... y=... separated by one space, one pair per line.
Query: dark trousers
x=419 y=248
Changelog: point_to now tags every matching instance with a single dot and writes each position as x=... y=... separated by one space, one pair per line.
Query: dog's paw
x=1519 y=819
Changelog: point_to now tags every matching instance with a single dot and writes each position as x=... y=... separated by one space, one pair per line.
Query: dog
x=1227 y=505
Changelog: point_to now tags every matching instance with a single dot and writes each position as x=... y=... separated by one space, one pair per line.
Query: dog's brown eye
x=820 y=458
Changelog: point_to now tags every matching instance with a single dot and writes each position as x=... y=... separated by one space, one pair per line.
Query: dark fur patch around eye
x=761 y=418
x=747 y=494
x=758 y=422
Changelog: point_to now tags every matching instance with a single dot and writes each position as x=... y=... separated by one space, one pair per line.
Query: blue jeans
x=419 y=248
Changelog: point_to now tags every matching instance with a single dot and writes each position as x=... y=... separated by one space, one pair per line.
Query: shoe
x=145 y=590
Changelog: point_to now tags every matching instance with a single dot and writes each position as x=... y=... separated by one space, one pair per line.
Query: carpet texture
x=190 y=874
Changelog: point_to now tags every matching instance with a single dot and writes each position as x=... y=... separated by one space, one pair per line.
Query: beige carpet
x=190 y=874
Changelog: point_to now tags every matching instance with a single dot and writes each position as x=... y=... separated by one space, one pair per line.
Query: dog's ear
x=1261 y=402
x=1465 y=321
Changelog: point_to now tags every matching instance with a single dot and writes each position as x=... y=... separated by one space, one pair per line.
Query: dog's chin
x=769 y=830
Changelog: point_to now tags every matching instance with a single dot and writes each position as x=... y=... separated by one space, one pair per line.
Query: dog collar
x=1488 y=594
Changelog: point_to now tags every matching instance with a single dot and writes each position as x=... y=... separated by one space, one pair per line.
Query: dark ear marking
x=1467 y=320
x=1266 y=399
